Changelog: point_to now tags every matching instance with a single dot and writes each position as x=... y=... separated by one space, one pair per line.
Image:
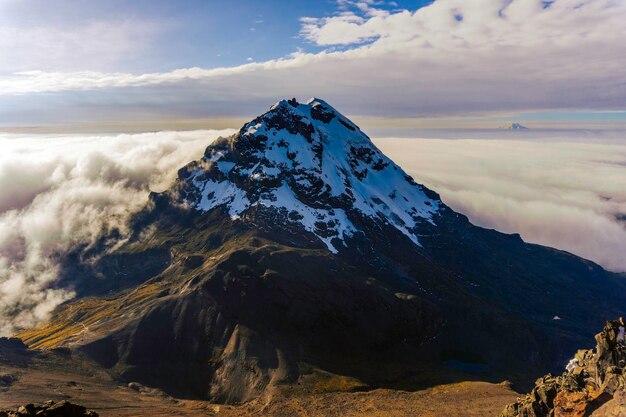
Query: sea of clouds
x=561 y=189
x=58 y=192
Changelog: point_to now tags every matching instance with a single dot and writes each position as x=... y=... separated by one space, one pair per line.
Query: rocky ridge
x=593 y=383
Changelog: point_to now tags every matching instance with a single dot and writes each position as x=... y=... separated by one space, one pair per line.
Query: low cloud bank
x=60 y=192
x=566 y=194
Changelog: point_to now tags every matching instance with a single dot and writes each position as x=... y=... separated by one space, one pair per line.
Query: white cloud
x=61 y=192
x=366 y=7
x=102 y=45
x=552 y=190
x=503 y=55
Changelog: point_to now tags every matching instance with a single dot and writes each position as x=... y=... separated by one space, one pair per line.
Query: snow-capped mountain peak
x=310 y=166
x=517 y=126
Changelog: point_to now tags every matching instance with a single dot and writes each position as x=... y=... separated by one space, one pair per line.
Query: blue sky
x=225 y=33
x=193 y=33
x=73 y=61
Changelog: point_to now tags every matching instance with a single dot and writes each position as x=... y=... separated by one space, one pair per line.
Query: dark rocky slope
x=297 y=244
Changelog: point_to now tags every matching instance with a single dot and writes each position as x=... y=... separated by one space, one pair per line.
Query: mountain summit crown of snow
x=308 y=165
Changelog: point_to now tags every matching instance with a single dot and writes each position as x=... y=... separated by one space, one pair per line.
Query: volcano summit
x=315 y=169
x=295 y=247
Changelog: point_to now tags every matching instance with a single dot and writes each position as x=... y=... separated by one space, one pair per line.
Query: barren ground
x=53 y=376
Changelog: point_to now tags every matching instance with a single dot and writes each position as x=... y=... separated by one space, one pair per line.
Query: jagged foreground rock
x=50 y=409
x=296 y=245
x=593 y=384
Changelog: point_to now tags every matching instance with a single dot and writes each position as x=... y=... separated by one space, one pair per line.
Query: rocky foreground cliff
x=593 y=383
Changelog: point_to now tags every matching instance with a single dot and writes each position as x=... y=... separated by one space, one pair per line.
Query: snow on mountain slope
x=313 y=165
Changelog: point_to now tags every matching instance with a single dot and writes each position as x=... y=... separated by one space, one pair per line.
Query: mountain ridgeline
x=296 y=245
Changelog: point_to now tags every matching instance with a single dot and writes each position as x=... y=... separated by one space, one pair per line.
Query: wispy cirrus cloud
x=101 y=44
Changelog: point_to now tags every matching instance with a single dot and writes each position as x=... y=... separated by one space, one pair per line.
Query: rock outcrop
x=13 y=351
x=50 y=409
x=593 y=383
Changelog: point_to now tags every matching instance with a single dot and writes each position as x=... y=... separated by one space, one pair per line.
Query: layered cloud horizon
x=62 y=192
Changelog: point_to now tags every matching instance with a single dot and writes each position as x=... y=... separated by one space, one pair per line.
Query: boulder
x=613 y=408
x=571 y=404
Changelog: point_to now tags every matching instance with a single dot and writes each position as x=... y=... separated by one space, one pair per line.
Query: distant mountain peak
x=309 y=165
x=517 y=126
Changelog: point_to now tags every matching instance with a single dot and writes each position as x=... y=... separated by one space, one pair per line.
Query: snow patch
x=335 y=221
x=253 y=129
x=225 y=166
x=215 y=194
x=215 y=156
x=571 y=365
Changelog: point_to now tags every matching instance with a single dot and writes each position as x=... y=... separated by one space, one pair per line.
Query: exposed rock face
x=595 y=379
x=613 y=408
x=50 y=409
